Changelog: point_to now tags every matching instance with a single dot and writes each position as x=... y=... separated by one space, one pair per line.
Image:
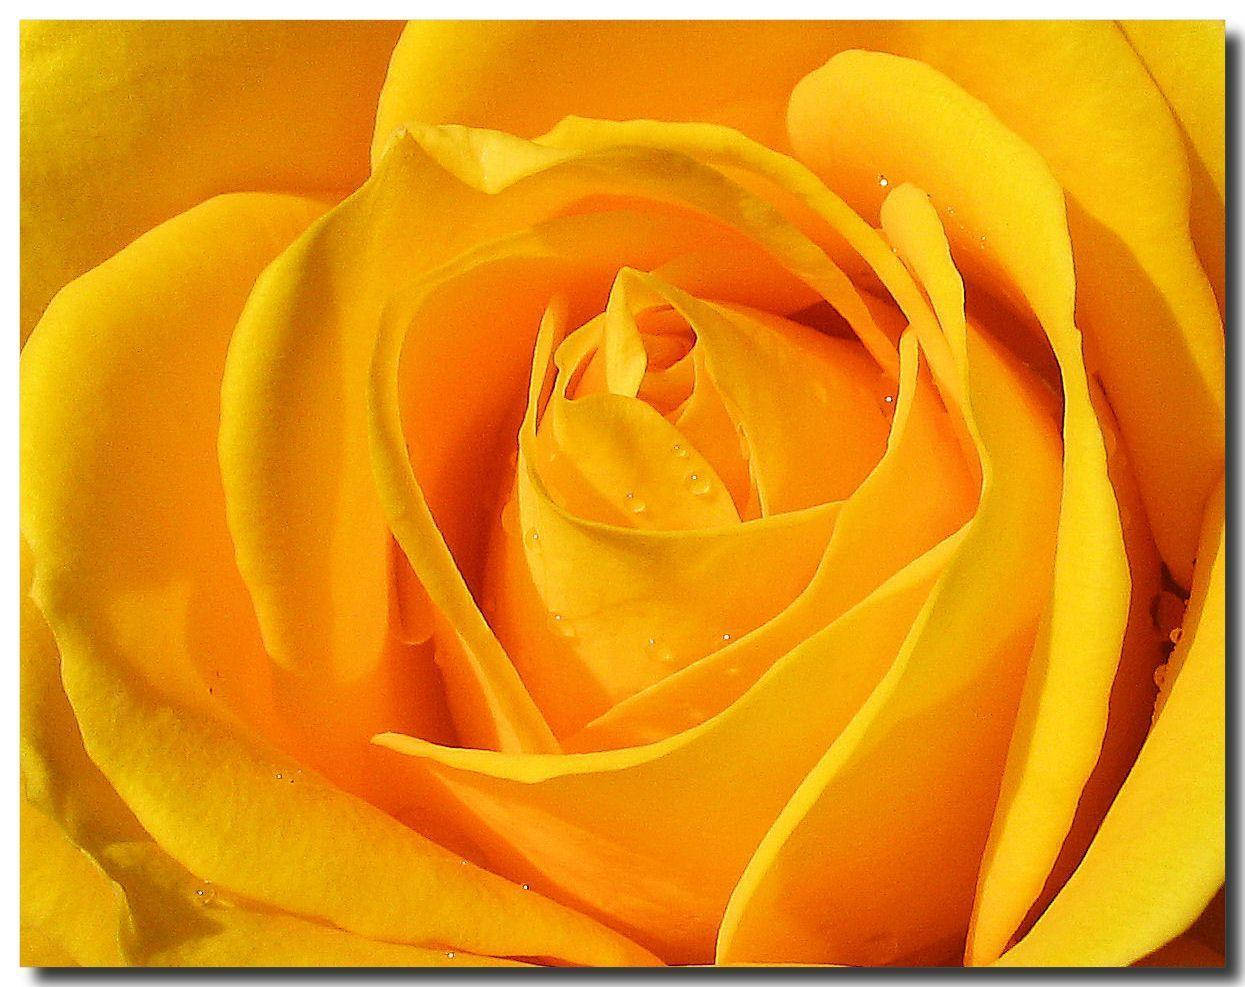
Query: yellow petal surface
x=624 y=606
x=1145 y=306
x=1002 y=191
x=127 y=123
x=1133 y=693
x=81 y=846
x=72 y=914
x=303 y=510
x=1186 y=60
x=1158 y=857
x=821 y=887
x=651 y=839
x=136 y=582
x=506 y=184
x=919 y=493
x=523 y=77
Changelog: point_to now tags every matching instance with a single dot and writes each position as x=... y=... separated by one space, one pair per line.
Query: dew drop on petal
x=450 y=955
x=561 y=625
x=638 y=507
x=527 y=887
x=680 y=451
x=883 y=181
x=726 y=637
x=658 y=651
x=699 y=485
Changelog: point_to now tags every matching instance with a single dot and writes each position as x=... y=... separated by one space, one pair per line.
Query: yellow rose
x=758 y=501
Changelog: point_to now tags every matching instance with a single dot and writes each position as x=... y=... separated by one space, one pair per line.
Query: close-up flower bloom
x=622 y=493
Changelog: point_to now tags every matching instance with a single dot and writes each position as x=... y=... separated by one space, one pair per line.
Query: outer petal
x=72 y=914
x=127 y=123
x=523 y=77
x=1158 y=857
x=1146 y=309
x=98 y=892
x=911 y=122
x=135 y=579
x=1186 y=59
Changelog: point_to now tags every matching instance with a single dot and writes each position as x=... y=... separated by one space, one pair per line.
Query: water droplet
x=981 y=241
x=888 y=399
x=450 y=955
x=279 y=776
x=680 y=451
x=950 y=210
x=883 y=181
x=699 y=485
x=637 y=505
x=726 y=637
x=527 y=887
x=534 y=535
x=206 y=894
x=462 y=863
x=561 y=625
x=658 y=651
x=1176 y=634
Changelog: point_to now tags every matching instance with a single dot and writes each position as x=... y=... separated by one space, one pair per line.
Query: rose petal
x=135 y=578
x=1158 y=857
x=592 y=612
x=509 y=184
x=72 y=914
x=899 y=767
x=1186 y=60
x=918 y=494
x=522 y=77
x=1142 y=300
x=1003 y=192
x=127 y=123
x=651 y=839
